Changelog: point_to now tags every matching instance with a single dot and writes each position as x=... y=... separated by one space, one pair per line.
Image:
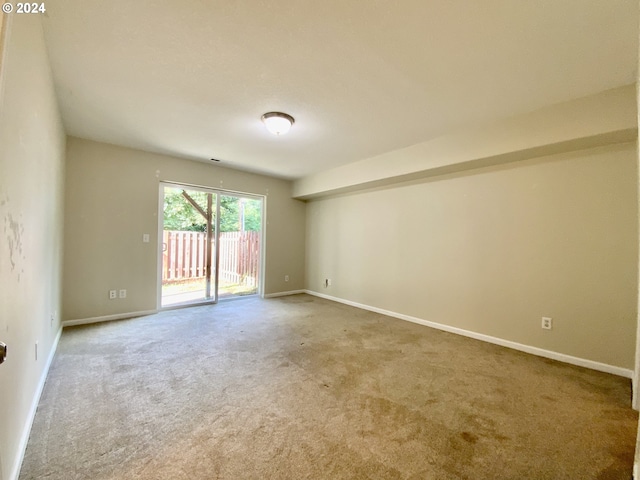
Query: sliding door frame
x=218 y=192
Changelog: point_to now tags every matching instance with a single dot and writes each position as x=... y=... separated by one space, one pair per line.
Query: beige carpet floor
x=304 y=388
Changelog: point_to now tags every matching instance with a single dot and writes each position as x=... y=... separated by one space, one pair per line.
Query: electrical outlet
x=52 y=319
x=286 y=278
x=145 y=237
x=122 y=293
x=36 y=351
x=547 y=323
x=329 y=283
x=113 y=294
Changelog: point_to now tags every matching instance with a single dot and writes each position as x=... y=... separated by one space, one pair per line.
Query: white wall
x=112 y=199
x=32 y=145
x=493 y=250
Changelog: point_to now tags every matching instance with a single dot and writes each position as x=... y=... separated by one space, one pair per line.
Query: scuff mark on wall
x=13 y=231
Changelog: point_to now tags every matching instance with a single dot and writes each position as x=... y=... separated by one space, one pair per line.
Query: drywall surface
x=636 y=373
x=493 y=250
x=32 y=147
x=112 y=200
x=601 y=119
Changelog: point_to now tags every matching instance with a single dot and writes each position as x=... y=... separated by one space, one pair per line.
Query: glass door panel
x=188 y=246
x=239 y=244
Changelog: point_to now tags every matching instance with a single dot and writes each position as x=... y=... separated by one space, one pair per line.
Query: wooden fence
x=184 y=257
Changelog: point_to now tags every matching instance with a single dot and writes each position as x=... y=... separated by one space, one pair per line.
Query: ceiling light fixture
x=277 y=123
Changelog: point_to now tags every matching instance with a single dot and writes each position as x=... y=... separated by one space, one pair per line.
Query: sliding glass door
x=188 y=246
x=239 y=241
x=211 y=245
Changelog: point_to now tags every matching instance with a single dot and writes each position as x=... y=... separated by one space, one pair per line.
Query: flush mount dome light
x=277 y=123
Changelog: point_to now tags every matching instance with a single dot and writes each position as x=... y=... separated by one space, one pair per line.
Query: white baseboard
x=284 y=294
x=581 y=362
x=107 y=318
x=26 y=431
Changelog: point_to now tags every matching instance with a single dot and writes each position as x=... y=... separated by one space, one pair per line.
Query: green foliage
x=179 y=214
x=252 y=214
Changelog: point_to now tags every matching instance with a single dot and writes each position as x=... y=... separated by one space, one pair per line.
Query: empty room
x=319 y=240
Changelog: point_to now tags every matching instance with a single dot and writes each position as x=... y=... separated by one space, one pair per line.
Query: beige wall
x=112 y=199
x=601 y=119
x=493 y=250
x=636 y=396
x=31 y=185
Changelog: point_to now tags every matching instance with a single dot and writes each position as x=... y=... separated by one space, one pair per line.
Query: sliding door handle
x=3 y=352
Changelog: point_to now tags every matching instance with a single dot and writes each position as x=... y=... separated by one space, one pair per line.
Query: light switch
x=145 y=238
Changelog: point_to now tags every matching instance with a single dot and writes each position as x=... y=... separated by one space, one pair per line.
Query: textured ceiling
x=191 y=78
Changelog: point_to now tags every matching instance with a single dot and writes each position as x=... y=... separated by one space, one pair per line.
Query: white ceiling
x=191 y=78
